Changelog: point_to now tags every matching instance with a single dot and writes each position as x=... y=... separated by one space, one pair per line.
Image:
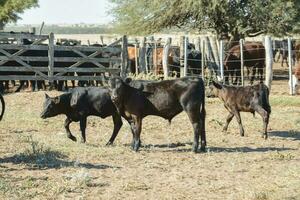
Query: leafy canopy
x=233 y=18
x=10 y=9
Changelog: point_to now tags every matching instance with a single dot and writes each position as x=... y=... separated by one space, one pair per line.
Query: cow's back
x=93 y=101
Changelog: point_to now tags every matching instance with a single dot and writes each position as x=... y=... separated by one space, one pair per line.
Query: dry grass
x=38 y=161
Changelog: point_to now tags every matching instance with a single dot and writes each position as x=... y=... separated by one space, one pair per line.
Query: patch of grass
x=133 y=186
x=261 y=196
x=282 y=156
x=284 y=101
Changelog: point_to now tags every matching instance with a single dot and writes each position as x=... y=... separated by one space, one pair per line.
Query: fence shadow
x=49 y=160
x=295 y=135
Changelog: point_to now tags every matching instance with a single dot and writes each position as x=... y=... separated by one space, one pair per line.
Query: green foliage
x=235 y=18
x=10 y=9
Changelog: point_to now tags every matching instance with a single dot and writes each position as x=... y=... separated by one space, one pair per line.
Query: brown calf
x=246 y=99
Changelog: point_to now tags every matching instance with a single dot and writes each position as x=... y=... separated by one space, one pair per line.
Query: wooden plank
x=186 y=41
x=23 y=35
x=142 y=56
x=22 y=63
x=59 y=59
x=269 y=62
x=85 y=56
x=165 y=60
x=292 y=92
x=33 y=46
x=51 y=55
x=124 y=56
x=181 y=57
x=61 y=78
x=45 y=69
x=242 y=60
x=113 y=50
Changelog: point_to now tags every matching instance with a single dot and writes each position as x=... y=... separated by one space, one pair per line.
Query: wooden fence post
x=142 y=55
x=124 y=57
x=292 y=92
x=181 y=57
x=221 y=51
x=202 y=58
x=186 y=42
x=51 y=58
x=166 y=57
x=242 y=60
x=269 y=62
x=136 y=47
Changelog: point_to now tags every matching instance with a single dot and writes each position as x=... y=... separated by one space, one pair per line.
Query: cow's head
x=214 y=89
x=51 y=107
x=117 y=88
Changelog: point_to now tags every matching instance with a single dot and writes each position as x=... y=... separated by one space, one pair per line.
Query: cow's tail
x=3 y=106
x=265 y=98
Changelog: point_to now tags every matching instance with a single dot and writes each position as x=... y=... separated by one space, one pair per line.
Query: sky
x=68 y=12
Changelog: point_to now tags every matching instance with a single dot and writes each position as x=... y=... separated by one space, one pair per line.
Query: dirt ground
x=38 y=161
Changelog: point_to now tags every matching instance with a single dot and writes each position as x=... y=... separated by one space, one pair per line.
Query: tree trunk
x=2 y=26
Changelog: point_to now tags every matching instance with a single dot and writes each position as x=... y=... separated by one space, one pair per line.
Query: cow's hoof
x=203 y=149
x=195 y=148
x=109 y=143
x=224 y=130
x=82 y=141
x=73 y=138
x=265 y=136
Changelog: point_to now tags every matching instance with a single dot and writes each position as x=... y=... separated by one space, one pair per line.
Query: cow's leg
x=117 y=125
x=82 y=129
x=228 y=120
x=137 y=133
x=198 y=125
x=265 y=116
x=238 y=118
x=69 y=134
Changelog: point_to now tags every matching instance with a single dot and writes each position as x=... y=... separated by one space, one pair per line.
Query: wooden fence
x=115 y=53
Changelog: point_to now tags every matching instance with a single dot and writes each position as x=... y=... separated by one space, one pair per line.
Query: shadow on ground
x=293 y=135
x=49 y=160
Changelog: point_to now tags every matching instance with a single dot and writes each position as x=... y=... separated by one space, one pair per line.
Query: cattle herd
x=135 y=99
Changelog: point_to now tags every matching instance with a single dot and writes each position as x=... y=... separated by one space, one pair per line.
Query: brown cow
x=243 y=99
x=254 y=59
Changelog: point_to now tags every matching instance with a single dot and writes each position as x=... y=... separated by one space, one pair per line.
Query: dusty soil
x=38 y=161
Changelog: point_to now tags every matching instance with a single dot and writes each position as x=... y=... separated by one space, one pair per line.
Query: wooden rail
x=54 y=67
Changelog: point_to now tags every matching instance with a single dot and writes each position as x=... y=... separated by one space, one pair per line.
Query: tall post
x=221 y=51
x=136 y=58
x=242 y=60
x=124 y=56
x=269 y=62
x=155 y=58
x=181 y=57
x=202 y=58
x=292 y=92
x=186 y=41
x=51 y=58
x=166 y=57
x=142 y=55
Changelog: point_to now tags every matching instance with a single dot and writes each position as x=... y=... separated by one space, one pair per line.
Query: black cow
x=80 y=103
x=138 y=99
x=246 y=99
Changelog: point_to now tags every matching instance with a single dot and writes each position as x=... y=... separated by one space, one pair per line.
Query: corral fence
x=150 y=55
x=213 y=53
x=111 y=59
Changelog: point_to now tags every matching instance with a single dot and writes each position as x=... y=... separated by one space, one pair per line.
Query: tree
x=10 y=10
x=227 y=18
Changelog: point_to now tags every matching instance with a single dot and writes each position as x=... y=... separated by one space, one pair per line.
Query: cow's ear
x=127 y=80
x=217 y=85
x=56 y=100
x=47 y=96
